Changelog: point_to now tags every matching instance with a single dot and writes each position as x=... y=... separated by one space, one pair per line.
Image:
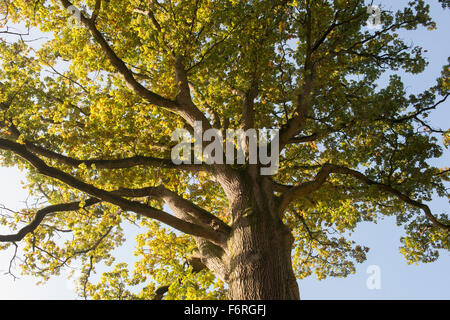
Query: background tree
x=89 y=115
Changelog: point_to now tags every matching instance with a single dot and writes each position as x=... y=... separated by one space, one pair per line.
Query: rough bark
x=259 y=261
x=256 y=261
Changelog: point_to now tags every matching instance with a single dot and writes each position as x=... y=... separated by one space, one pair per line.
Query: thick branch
x=311 y=186
x=107 y=163
x=184 y=97
x=41 y=214
x=115 y=163
x=189 y=114
x=124 y=204
x=174 y=200
x=305 y=188
x=386 y=188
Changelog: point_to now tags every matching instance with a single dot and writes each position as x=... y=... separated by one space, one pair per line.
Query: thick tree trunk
x=257 y=257
x=259 y=261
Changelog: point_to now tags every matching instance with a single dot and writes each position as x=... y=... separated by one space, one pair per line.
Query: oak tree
x=89 y=106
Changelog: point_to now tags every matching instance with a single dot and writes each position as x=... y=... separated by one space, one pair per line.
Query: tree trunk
x=257 y=257
x=255 y=261
x=259 y=261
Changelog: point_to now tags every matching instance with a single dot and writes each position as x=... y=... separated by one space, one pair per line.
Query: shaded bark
x=259 y=261
x=256 y=262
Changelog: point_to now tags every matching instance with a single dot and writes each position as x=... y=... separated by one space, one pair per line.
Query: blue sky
x=398 y=280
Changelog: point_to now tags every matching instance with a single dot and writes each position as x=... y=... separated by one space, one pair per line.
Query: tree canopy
x=89 y=113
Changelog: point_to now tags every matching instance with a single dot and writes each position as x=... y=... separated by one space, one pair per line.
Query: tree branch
x=303 y=101
x=305 y=188
x=248 y=112
x=124 y=204
x=184 y=97
x=189 y=114
x=107 y=163
x=387 y=188
x=311 y=186
x=174 y=200
x=41 y=214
